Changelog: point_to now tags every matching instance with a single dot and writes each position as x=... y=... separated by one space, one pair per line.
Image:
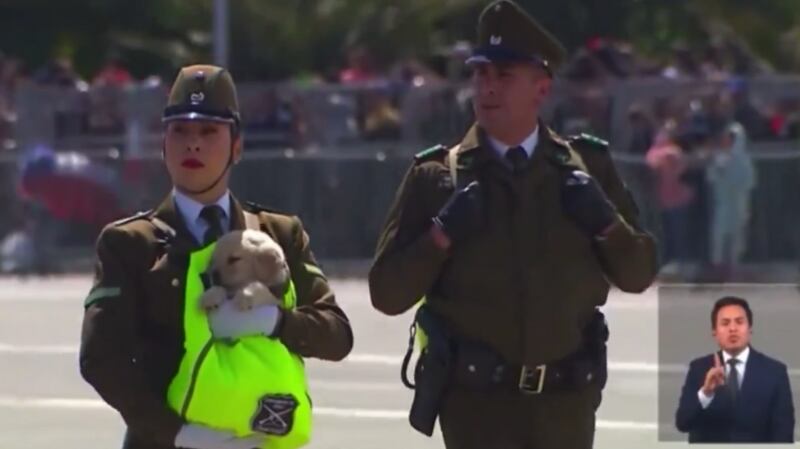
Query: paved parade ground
x=360 y=403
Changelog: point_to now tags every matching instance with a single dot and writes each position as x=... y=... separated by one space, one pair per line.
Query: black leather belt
x=482 y=369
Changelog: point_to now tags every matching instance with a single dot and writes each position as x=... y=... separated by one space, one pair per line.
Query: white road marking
x=334 y=412
x=6 y=348
x=336 y=385
x=360 y=359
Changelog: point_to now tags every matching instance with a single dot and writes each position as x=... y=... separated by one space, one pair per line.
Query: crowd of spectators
x=690 y=122
x=364 y=101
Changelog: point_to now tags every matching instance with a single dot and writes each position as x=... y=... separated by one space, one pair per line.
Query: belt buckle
x=527 y=374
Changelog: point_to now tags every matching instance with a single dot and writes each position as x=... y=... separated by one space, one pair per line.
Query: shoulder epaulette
x=255 y=208
x=132 y=218
x=590 y=141
x=434 y=152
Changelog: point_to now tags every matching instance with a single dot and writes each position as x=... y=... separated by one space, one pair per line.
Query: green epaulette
x=435 y=152
x=590 y=141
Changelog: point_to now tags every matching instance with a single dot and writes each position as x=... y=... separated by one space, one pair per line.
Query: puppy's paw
x=212 y=298
x=267 y=294
x=248 y=296
x=242 y=300
x=252 y=295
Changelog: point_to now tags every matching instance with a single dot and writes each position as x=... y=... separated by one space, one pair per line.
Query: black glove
x=463 y=215
x=585 y=203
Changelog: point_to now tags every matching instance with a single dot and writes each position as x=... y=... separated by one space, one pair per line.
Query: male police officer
x=141 y=317
x=513 y=237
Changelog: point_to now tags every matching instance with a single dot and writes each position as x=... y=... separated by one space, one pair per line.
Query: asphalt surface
x=360 y=403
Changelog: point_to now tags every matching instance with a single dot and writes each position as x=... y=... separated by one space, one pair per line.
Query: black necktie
x=733 y=378
x=213 y=215
x=518 y=159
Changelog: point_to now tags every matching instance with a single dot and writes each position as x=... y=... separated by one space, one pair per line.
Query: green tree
x=278 y=38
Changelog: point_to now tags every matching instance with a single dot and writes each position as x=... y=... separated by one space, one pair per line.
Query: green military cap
x=506 y=33
x=203 y=92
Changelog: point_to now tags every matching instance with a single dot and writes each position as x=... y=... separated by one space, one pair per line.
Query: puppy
x=248 y=267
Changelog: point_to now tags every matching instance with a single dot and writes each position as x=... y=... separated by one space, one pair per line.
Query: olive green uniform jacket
x=527 y=284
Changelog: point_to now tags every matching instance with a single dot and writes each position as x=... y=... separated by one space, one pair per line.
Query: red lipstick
x=192 y=164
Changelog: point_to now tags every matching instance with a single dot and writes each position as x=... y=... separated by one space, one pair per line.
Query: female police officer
x=135 y=339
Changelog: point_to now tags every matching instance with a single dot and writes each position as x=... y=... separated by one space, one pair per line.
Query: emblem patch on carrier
x=275 y=415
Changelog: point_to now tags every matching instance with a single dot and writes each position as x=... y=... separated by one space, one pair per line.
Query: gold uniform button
x=176 y=282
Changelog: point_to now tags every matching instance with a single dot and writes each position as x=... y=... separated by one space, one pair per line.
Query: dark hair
x=236 y=131
x=731 y=301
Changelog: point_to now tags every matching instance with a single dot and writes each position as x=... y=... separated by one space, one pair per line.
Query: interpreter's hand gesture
x=715 y=377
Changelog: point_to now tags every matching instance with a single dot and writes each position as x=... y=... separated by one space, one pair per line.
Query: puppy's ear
x=285 y=278
x=284 y=272
x=267 y=265
x=279 y=282
x=228 y=245
x=225 y=245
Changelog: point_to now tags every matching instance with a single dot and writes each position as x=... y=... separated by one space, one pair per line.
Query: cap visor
x=496 y=53
x=478 y=59
x=197 y=116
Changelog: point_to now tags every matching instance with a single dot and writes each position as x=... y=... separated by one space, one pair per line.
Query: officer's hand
x=195 y=436
x=228 y=321
x=464 y=214
x=586 y=204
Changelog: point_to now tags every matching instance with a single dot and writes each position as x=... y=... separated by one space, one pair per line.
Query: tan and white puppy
x=248 y=267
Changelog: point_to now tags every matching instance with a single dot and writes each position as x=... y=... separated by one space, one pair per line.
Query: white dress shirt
x=529 y=144
x=705 y=401
x=190 y=212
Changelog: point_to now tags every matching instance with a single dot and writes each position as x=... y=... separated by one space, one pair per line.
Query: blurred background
x=698 y=99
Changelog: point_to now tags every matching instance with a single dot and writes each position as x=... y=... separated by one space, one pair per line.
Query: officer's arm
x=408 y=260
x=109 y=353
x=627 y=253
x=317 y=327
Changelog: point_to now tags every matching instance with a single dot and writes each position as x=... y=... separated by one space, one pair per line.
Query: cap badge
x=197 y=97
x=496 y=40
